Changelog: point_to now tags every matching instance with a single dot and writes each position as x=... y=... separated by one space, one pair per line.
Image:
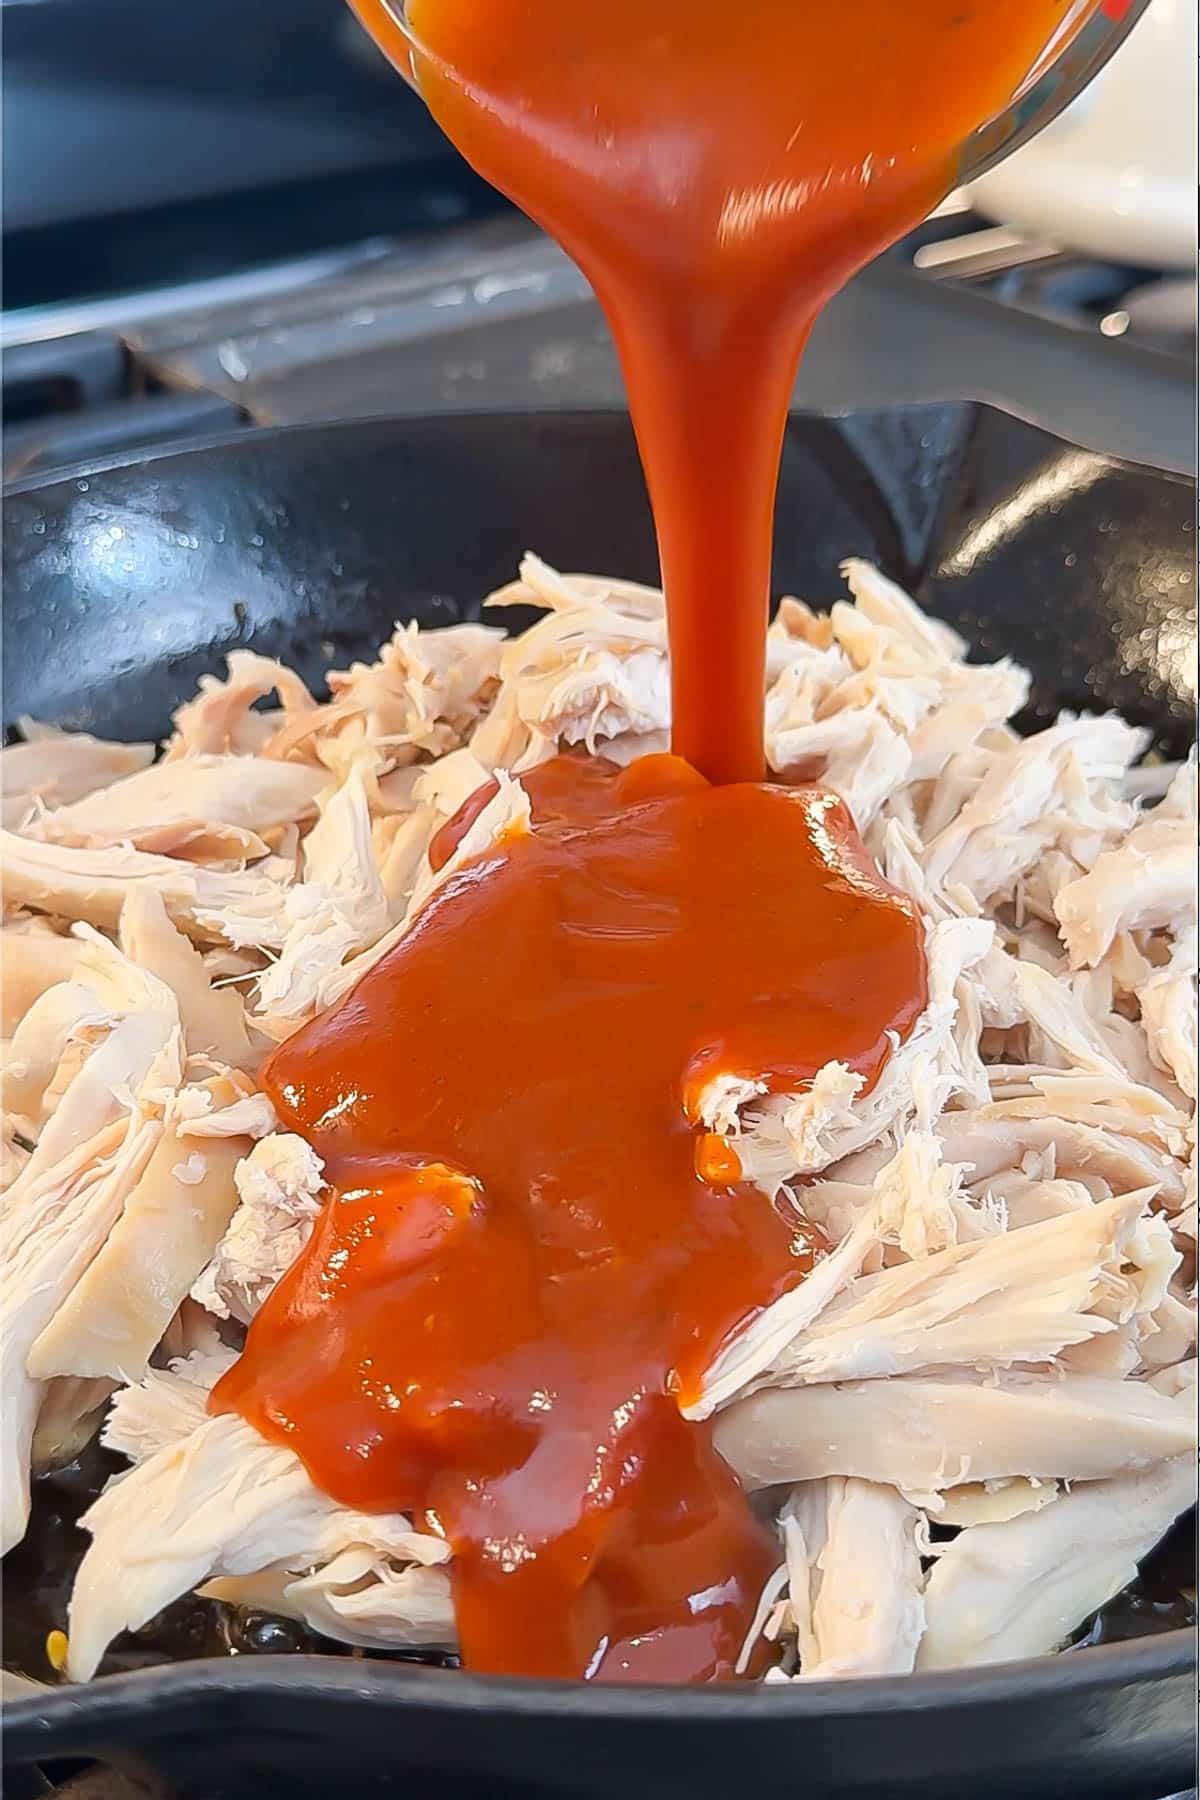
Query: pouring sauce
x=533 y=1249
x=718 y=171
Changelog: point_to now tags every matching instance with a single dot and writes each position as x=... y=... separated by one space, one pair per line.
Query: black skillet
x=124 y=582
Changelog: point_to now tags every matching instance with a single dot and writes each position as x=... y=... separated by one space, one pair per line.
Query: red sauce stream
x=532 y=1251
x=521 y=1273
x=718 y=169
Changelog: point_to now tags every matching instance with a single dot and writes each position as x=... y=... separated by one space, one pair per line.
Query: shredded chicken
x=506 y=815
x=213 y=1019
x=914 y=1203
x=1147 y=881
x=220 y=720
x=211 y=1498
x=778 y=1137
x=1001 y=1338
x=58 y=768
x=340 y=908
x=279 y=1186
x=1019 y=1587
x=593 y=671
x=241 y=906
x=422 y=697
x=1020 y=1297
x=853 y=1557
x=47 y=1242
x=363 y=1595
x=172 y=1221
x=935 y=1431
x=69 y=1413
x=205 y=808
x=32 y=960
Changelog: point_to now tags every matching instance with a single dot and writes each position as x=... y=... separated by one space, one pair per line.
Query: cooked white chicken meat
x=117 y=1313
x=1000 y=1339
x=210 y=1499
x=55 y=768
x=363 y=1595
x=1018 y=1587
x=202 y=808
x=935 y=1432
x=853 y=1558
x=278 y=1194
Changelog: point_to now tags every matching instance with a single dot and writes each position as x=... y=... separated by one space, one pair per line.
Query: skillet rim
x=253 y=434
x=109 y=1700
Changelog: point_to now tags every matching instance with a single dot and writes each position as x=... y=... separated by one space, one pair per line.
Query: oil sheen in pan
x=38 y=1575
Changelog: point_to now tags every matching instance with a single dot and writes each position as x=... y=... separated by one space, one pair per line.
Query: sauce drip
x=718 y=171
x=533 y=1251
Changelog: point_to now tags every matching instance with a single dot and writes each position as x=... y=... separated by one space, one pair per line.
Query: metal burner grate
x=489 y=315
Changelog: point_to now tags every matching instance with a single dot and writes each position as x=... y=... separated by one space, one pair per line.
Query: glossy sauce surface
x=533 y=1251
x=718 y=170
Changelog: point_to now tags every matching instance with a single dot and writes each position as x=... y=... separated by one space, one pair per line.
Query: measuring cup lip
x=1062 y=81
x=404 y=61
x=1073 y=68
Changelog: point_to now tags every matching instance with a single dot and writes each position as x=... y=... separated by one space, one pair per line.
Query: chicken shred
x=932 y=1432
x=1001 y=1338
x=211 y=1499
x=1019 y=1587
x=226 y=802
x=279 y=1186
x=853 y=1556
x=172 y=1221
x=54 y=768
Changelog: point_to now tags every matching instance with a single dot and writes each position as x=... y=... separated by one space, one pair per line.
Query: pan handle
x=895 y=338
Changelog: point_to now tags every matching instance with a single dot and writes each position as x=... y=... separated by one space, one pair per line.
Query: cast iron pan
x=125 y=582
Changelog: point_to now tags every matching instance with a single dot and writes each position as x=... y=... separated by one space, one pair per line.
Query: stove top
x=476 y=310
x=302 y=243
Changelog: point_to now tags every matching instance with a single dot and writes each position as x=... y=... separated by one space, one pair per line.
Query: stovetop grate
x=489 y=315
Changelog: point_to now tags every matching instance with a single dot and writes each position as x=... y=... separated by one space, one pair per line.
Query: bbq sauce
x=533 y=1248
x=531 y=1253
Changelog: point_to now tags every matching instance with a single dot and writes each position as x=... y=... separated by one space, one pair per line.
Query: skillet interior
x=123 y=583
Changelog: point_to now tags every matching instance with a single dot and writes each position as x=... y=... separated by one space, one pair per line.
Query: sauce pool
x=532 y=1254
x=533 y=1250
